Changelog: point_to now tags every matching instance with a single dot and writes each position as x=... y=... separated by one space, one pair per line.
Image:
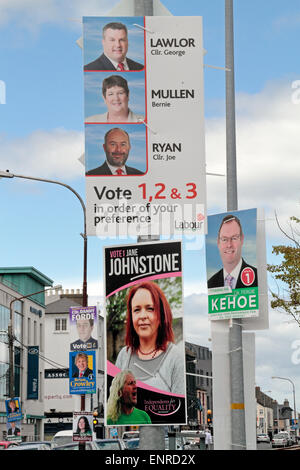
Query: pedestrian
x=208 y=439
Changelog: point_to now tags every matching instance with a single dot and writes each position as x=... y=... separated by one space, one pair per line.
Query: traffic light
x=95 y=421
x=209 y=417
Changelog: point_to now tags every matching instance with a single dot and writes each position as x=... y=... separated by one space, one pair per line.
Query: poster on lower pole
x=145 y=355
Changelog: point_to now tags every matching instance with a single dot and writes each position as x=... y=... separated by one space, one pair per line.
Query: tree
x=287 y=298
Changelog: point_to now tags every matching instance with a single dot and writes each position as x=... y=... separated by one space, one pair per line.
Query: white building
x=59 y=404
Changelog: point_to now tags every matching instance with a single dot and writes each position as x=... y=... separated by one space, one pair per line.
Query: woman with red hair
x=150 y=351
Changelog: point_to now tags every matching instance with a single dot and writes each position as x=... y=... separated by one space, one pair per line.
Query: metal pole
x=151 y=437
x=238 y=430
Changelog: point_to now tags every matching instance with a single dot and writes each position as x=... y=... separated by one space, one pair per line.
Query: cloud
x=33 y=13
x=268 y=148
x=47 y=154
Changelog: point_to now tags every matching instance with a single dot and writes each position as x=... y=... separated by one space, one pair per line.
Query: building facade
x=199 y=384
x=59 y=403
x=28 y=347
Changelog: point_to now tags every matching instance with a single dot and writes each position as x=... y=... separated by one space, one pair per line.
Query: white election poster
x=144 y=126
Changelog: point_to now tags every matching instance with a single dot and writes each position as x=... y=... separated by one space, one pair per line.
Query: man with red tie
x=116 y=147
x=236 y=273
x=81 y=362
x=115 y=47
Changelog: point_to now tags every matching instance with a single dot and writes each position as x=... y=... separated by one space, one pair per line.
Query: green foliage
x=287 y=299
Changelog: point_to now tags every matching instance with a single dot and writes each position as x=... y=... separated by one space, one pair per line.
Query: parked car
x=62 y=437
x=289 y=437
x=29 y=443
x=130 y=435
x=5 y=444
x=110 y=444
x=98 y=444
x=280 y=440
x=90 y=445
x=30 y=446
x=132 y=444
x=262 y=438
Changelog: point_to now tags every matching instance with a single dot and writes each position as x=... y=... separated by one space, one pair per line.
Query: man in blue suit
x=115 y=47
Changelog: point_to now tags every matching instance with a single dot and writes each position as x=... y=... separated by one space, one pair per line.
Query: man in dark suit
x=115 y=47
x=116 y=147
x=81 y=362
x=236 y=273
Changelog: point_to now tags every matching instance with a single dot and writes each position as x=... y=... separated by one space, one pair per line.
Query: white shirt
x=115 y=64
x=114 y=169
x=235 y=273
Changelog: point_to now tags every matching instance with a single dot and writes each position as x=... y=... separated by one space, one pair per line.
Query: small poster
x=145 y=367
x=82 y=372
x=83 y=328
x=13 y=409
x=231 y=259
x=82 y=426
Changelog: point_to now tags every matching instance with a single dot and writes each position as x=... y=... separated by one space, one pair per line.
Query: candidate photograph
x=114 y=98
x=122 y=401
x=114 y=45
x=115 y=150
x=84 y=328
x=146 y=336
x=231 y=250
x=81 y=366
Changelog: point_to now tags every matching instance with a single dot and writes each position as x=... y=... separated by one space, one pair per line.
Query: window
x=60 y=324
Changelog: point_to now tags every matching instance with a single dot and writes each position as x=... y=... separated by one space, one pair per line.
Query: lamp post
x=8 y=174
x=294 y=397
x=11 y=335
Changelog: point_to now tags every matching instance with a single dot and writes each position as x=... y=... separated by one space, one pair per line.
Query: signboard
x=33 y=373
x=82 y=372
x=231 y=259
x=82 y=426
x=145 y=356
x=83 y=328
x=144 y=173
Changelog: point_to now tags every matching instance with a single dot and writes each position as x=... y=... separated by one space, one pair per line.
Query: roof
x=31 y=271
x=61 y=306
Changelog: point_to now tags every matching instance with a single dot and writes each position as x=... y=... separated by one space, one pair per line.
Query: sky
x=42 y=135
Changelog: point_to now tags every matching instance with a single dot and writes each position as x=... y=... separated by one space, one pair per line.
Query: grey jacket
x=169 y=376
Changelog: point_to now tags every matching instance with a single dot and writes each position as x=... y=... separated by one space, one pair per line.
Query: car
x=30 y=446
x=90 y=445
x=29 y=443
x=62 y=437
x=130 y=435
x=132 y=444
x=289 y=437
x=262 y=438
x=5 y=444
x=280 y=440
x=98 y=444
x=110 y=444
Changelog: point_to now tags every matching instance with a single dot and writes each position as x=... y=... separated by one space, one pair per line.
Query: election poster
x=143 y=81
x=13 y=409
x=83 y=328
x=13 y=419
x=82 y=426
x=145 y=356
x=231 y=261
x=82 y=372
